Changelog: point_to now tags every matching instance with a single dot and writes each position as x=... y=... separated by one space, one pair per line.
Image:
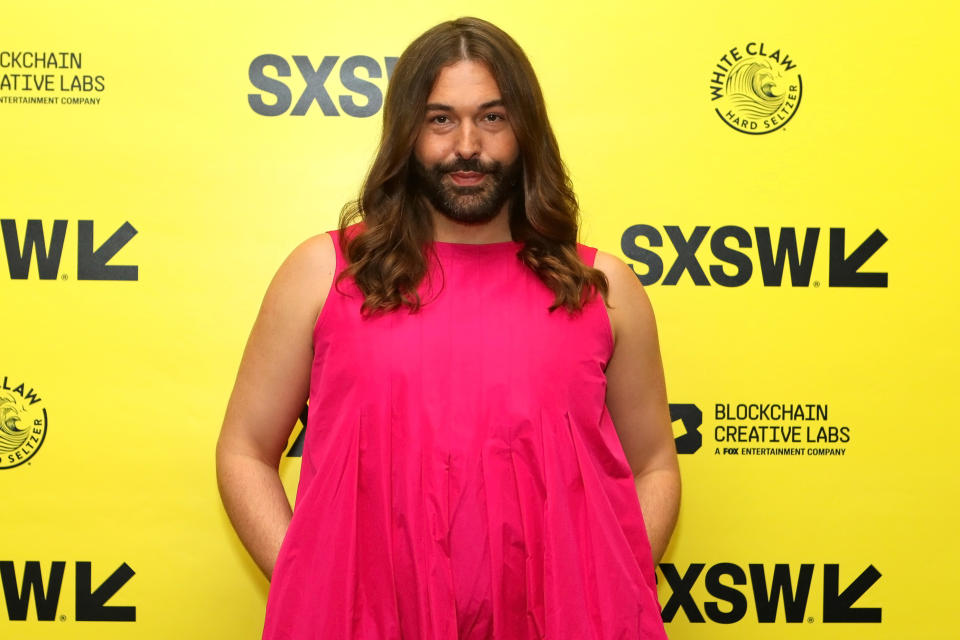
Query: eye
x=493 y=117
x=440 y=119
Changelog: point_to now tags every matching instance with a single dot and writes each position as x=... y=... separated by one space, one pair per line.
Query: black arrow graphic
x=296 y=449
x=844 y=271
x=91 y=606
x=838 y=607
x=92 y=265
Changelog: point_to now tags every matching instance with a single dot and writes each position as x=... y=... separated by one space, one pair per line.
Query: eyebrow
x=436 y=106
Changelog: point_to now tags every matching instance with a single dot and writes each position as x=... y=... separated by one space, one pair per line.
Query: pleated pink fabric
x=461 y=475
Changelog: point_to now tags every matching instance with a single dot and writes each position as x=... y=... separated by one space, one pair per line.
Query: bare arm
x=269 y=393
x=637 y=402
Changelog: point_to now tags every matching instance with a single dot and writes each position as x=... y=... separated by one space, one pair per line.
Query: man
x=484 y=430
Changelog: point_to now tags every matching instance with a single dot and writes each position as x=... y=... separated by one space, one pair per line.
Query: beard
x=474 y=204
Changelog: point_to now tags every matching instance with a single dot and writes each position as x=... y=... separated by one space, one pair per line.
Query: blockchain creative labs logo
x=780 y=429
x=783 y=429
x=755 y=88
x=49 y=77
x=23 y=423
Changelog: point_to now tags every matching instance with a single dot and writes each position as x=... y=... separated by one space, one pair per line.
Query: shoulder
x=305 y=277
x=615 y=269
x=312 y=260
x=630 y=310
x=624 y=284
x=611 y=266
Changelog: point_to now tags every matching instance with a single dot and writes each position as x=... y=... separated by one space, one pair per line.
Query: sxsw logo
x=354 y=74
x=47 y=248
x=786 y=257
x=91 y=604
x=727 y=584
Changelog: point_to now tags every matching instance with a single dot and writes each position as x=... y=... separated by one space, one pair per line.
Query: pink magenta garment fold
x=461 y=475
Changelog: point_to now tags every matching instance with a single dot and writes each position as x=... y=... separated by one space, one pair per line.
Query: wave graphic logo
x=756 y=90
x=23 y=423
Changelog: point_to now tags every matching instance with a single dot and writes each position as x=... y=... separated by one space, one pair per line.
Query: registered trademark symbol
x=816 y=283
x=809 y=619
x=63 y=276
x=63 y=618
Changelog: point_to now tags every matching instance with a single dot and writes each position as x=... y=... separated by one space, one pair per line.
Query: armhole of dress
x=325 y=310
x=589 y=257
x=587 y=254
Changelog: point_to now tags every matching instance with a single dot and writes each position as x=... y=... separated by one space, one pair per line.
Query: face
x=466 y=159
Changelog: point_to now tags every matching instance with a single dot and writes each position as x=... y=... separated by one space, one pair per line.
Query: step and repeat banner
x=780 y=177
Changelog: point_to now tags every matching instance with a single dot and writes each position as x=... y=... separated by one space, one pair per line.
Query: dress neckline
x=466 y=248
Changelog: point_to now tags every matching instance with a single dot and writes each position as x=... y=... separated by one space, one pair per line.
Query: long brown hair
x=386 y=257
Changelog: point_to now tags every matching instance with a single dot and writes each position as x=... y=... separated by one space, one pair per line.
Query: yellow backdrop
x=164 y=202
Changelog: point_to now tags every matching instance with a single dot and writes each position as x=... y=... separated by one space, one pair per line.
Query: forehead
x=464 y=82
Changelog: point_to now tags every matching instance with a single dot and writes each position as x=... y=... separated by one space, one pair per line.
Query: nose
x=468 y=140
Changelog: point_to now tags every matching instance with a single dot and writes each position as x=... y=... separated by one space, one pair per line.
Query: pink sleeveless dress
x=461 y=476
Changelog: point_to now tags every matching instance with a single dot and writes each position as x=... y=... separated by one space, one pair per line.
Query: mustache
x=469 y=164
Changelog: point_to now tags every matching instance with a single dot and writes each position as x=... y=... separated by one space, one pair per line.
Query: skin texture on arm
x=637 y=401
x=271 y=388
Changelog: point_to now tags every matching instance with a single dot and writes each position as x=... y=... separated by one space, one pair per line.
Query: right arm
x=271 y=388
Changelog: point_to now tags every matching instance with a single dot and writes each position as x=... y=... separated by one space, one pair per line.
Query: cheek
x=507 y=148
x=419 y=151
x=430 y=149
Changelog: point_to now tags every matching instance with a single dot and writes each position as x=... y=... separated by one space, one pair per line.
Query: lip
x=467 y=178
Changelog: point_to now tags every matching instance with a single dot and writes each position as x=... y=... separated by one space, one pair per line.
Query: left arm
x=637 y=402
